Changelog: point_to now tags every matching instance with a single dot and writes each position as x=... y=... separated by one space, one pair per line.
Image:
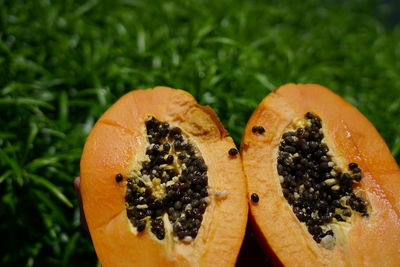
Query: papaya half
x=162 y=184
x=324 y=189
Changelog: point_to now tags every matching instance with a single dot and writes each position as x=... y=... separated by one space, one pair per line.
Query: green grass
x=62 y=64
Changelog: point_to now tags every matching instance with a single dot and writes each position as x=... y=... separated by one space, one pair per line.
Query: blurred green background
x=62 y=63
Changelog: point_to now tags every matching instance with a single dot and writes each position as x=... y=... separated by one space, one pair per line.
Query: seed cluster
x=173 y=180
x=319 y=192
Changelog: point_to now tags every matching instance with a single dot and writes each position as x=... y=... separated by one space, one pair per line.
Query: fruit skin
x=373 y=241
x=110 y=149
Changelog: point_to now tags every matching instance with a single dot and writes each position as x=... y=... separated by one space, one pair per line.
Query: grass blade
x=25 y=101
x=13 y=164
x=51 y=187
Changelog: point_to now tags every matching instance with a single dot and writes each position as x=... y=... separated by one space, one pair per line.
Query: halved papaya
x=324 y=189
x=162 y=183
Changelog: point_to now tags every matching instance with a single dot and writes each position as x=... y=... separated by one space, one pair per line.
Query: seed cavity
x=320 y=192
x=171 y=184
